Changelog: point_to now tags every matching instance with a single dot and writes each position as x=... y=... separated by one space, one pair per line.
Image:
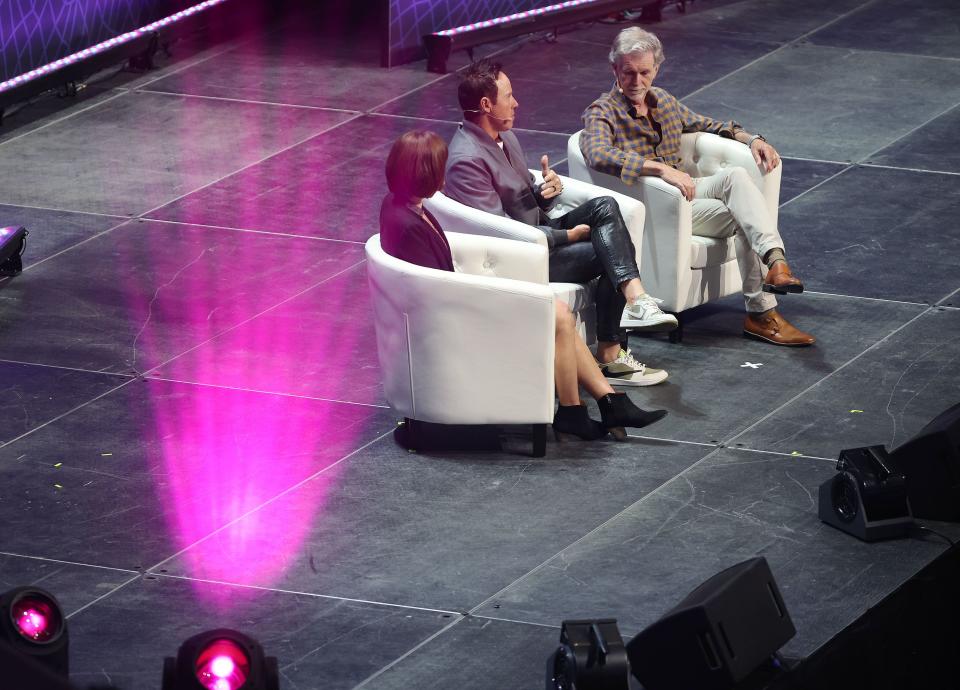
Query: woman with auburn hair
x=408 y=231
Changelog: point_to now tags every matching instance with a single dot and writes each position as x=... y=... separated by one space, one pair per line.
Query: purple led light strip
x=512 y=17
x=109 y=43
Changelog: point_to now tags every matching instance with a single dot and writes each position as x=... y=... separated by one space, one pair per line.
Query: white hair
x=633 y=39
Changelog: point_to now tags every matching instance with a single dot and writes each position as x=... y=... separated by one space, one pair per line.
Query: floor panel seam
x=268 y=502
x=154 y=377
x=67 y=413
x=73 y=113
x=66 y=368
x=253 y=230
x=323 y=131
x=149 y=371
x=249 y=101
x=76 y=563
x=316 y=595
x=409 y=652
x=782 y=47
x=103 y=596
x=909 y=132
x=82 y=242
x=827 y=376
x=822 y=182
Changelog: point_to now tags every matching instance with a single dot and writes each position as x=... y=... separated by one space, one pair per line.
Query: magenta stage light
x=33 y=627
x=223 y=665
x=51 y=67
x=220 y=659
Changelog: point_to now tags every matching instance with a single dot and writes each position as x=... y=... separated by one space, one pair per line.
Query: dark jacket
x=480 y=175
x=405 y=235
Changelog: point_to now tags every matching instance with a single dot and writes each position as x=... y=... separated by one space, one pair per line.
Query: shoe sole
x=620 y=433
x=792 y=289
x=755 y=336
x=616 y=381
x=661 y=327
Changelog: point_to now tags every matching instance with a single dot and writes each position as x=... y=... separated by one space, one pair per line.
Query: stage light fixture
x=220 y=659
x=591 y=656
x=33 y=626
x=13 y=242
x=867 y=497
x=440 y=44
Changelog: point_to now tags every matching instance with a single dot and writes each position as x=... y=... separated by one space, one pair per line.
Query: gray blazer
x=480 y=175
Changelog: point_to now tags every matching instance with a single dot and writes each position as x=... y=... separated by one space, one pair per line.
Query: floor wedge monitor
x=931 y=462
x=720 y=633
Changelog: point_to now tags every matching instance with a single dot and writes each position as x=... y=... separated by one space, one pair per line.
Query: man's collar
x=619 y=97
x=480 y=133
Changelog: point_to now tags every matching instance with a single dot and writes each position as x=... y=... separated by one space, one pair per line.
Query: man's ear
x=485 y=104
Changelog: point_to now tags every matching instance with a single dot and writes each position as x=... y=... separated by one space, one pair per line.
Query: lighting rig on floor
x=440 y=44
x=725 y=634
x=221 y=659
x=139 y=46
x=13 y=242
x=33 y=640
x=876 y=494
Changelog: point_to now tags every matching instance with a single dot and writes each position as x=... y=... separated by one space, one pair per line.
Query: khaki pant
x=727 y=204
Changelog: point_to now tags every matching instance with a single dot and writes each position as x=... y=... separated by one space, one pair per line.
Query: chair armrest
x=462 y=349
x=497 y=257
x=457 y=217
x=706 y=154
x=577 y=192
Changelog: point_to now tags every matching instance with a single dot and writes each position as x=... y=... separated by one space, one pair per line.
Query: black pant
x=609 y=254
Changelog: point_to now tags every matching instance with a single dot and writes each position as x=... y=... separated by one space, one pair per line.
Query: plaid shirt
x=616 y=141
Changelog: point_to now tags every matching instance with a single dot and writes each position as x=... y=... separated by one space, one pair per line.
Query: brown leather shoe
x=775 y=329
x=780 y=280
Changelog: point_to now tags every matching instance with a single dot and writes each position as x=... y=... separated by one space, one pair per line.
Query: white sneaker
x=626 y=371
x=644 y=315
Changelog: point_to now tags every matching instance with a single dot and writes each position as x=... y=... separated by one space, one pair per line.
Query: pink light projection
x=223 y=452
x=512 y=17
x=106 y=45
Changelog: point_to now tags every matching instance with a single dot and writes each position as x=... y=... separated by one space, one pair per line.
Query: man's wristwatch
x=754 y=138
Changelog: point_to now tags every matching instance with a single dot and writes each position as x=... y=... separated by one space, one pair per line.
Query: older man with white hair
x=634 y=130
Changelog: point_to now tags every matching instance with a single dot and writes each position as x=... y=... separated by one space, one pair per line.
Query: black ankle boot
x=573 y=420
x=619 y=411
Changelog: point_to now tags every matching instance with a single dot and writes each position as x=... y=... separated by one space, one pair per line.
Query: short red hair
x=415 y=165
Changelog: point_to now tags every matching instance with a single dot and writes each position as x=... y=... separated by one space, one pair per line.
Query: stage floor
x=193 y=432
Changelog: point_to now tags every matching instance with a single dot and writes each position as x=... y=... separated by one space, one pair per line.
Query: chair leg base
x=676 y=335
x=539 y=440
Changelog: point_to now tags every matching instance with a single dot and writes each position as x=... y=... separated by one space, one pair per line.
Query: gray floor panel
x=192 y=142
x=439 y=530
x=883 y=398
x=732 y=506
x=168 y=464
x=822 y=102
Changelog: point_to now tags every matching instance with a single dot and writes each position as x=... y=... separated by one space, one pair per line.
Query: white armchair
x=680 y=268
x=471 y=347
x=465 y=219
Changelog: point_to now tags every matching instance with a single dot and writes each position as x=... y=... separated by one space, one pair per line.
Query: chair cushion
x=711 y=251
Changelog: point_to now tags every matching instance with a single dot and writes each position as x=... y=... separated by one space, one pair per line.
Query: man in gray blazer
x=486 y=169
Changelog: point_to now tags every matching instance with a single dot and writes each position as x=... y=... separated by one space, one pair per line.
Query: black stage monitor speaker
x=931 y=463
x=716 y=636
x=867 y=497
